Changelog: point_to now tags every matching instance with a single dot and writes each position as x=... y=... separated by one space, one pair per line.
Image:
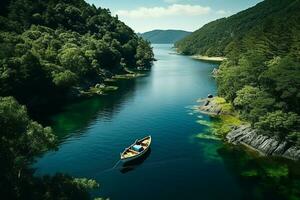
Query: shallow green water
x=180 y=165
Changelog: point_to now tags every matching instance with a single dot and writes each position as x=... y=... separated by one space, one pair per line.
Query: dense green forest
x=49 y=50
x=164 y=36
x=261 y=75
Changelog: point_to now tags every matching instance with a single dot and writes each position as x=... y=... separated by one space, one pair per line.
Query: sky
x=189 y=15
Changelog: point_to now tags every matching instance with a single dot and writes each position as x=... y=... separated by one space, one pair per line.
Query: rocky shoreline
x=247 y=136
x=265 y=145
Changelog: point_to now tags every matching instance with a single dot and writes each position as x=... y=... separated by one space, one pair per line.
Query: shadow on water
x=132 y=165
x=75 y=118
x=262 y=178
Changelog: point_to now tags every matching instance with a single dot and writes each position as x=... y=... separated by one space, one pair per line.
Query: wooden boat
x=136 y=150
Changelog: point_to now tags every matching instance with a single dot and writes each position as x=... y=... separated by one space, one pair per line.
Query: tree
x=65 y=79
x=279 y=123
x=144 y=54
x=73 y=59
x=253 y=102
x=21 y=141
x=282 y=79
x=46 y=48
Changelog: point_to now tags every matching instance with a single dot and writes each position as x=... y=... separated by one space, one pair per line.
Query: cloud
x=172 y=10
x=172 y=1
x=223 y=12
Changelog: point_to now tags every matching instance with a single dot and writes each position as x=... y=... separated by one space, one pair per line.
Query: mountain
x=273 y=18
x=164 y=36
x=261 y=76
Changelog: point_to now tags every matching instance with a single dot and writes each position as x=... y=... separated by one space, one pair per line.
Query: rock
x=235 y=135
x=292 y=153
x=97 y=85
x=210 y=96
x=266 y=145
x=280 y=149
x=215 y=72
x=206 y=103
x=259 y=140
x=215 y=106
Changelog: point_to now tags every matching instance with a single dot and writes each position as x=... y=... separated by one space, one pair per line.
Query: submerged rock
x=264 y=144
x=215 y=72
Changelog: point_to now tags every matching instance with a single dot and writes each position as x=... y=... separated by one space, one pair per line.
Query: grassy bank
x=224 y=116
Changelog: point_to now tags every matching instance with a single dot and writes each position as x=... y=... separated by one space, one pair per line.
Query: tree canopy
x=48 y=49
x=261 y=75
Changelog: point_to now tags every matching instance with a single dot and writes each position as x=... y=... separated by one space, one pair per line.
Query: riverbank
x=238 y=132
x=263 y=144
x=106 y=86
x=208 y=58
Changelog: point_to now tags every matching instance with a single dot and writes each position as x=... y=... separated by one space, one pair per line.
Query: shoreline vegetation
x=261 y=76
x=234 y=130
x=223 y=112
x=106 y=87
x=51 y=53
x=208 y=58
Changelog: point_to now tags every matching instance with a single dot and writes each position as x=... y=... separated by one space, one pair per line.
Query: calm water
x=179 y=166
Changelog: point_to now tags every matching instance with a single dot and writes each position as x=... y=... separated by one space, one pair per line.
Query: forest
x=49 y=50
x=261 y=76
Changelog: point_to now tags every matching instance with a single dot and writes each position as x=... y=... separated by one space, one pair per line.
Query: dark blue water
x=179 y=166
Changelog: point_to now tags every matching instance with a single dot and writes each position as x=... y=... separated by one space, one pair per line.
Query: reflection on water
x=76 y=118
x=185 y=161
x=262 y=178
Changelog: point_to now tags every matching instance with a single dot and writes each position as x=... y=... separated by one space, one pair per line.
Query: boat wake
x=126 y=167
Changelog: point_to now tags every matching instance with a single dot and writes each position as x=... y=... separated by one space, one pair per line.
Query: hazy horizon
x=188 y=15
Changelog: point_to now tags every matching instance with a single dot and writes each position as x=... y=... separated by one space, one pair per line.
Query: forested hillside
x=50 y=49
x=164 y=36
x=47 y=48
x=261 y=76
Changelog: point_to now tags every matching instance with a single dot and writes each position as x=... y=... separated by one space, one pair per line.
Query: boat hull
x=135 y=157
x=146 y=142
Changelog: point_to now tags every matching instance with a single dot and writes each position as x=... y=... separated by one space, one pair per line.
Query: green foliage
x=277 y=171
x=282 y=78
x=223 y=105
x=261 y=75
x=253 y=29
x=250 y=173
x=21 y=141
x=224 y=124
x=85 y=183
x=253 y=102
x=21 y=138
x=49 y=47
x=144 y=54
x=279 y=123
x=65 y=79
x=58 y=186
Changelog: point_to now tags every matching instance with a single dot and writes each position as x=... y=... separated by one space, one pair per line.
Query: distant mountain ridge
x=164 y=36
x=276 y=20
